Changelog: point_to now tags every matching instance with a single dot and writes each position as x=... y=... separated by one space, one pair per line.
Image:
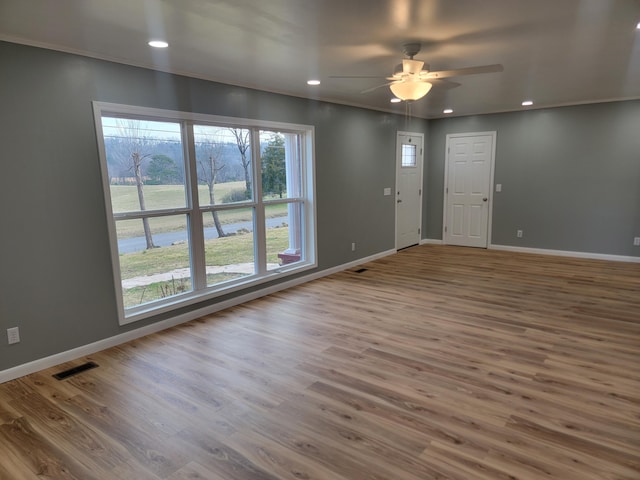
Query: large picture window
x=201 y=205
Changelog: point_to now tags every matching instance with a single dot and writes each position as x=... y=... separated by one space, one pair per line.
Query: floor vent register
x=75 y=370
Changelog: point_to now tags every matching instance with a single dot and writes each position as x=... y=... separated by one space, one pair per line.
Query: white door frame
x=491 y=179
x=395 y=194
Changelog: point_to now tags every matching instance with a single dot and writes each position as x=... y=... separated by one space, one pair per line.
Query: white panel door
x=468 y=189
x=409 y=159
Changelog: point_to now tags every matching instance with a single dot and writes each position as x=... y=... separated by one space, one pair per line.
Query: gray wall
x=570 y=176
x=56 y=282
x=571 y=179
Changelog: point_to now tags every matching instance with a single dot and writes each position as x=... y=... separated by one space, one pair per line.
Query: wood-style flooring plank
x=438 y=363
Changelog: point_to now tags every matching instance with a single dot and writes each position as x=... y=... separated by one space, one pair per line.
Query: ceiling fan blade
x=443 y=84
x=464 y=71
x=378 y=86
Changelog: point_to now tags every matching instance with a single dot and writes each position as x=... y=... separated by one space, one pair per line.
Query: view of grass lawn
x=235 y=249
x=147 y=293
x=125 y=198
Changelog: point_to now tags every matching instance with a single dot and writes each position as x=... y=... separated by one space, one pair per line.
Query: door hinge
x=419 y=191
x=418 y=231
x=445 y=229
x=447 y=189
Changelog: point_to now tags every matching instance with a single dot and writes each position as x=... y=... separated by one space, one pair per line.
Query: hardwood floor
x=435 y=363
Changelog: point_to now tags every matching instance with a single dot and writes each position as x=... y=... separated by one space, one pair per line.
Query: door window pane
x=408 y=155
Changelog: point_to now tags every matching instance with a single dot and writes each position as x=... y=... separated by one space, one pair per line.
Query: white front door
x=468 y=180
x=409 y=159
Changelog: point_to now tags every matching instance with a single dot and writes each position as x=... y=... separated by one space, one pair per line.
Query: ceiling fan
x=412 y=79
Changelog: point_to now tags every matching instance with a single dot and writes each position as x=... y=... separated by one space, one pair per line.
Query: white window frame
x=202 y=292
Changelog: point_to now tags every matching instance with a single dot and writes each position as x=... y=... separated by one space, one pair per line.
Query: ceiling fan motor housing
x=411 y=49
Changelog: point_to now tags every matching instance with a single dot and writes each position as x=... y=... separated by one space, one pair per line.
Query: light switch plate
x=387 y=191
x=498 y=187
x=13 y=335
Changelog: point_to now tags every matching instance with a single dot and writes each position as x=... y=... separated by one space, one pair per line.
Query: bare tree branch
x=136 y=143
x=243 y=141
x=210 y=166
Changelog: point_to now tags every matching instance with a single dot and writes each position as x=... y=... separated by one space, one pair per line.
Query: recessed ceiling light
x=447 y=110
x=638 y=26
x=313 y=82
x=158 y=44
x=395 y=100
x=527 y=103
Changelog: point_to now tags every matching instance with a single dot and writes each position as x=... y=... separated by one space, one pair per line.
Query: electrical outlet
x=636 y=241
x=519 y=233
x=353 y=247
x=13 y=335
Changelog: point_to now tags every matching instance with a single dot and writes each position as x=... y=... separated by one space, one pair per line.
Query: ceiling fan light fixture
x=313 y=82
x=410 y=90
x=395 y=100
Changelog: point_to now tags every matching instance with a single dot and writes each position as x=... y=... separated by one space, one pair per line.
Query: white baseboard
x=84 y=350
x=545 y=251
x=567 y=253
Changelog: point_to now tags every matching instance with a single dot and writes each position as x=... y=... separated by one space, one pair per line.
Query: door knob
x=399 y=201
x=484 y=199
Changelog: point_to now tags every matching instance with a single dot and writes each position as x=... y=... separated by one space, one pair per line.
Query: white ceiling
x=554 y=52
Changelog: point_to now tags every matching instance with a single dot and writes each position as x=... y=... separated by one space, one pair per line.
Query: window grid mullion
x=196 y=230
x=138 y=214
x=218 y=207
x=259 y=228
